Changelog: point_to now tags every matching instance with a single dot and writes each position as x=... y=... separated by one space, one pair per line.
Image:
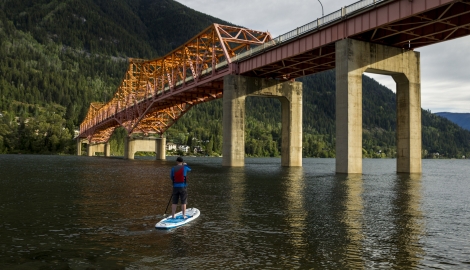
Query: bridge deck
x=403 y=23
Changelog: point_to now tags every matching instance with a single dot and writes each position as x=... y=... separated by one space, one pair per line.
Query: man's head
x=179 y=159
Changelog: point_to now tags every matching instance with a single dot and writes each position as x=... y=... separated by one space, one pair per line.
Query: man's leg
x=173 y=210
x=175 y=202
x=184 y=198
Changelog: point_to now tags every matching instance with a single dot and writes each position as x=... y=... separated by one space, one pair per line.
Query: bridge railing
x=309 y=27
x=360 y=5
x=314 y=25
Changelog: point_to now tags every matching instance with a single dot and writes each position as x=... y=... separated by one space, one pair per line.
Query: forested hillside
x=58 y=56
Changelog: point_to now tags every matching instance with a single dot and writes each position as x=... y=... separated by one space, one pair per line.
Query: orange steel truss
x=155 y=93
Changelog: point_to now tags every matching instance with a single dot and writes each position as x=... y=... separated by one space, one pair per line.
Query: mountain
x=461 y=119
x=128 y=28
x=59 y=56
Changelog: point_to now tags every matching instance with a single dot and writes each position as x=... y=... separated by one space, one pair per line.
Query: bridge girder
x=138 y=105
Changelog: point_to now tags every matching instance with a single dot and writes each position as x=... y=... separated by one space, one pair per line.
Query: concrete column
x=107 y=149
x=129 y=150
x=90 y=150
x=79 y=147
x=133 y=145
x=160 y=145
x=291 y=148
x=409 y=141
x=352 y=59
x=236 y=89
x=233 y=122
x=348 y=110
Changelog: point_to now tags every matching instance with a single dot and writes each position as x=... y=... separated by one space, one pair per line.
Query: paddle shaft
x=168 y=204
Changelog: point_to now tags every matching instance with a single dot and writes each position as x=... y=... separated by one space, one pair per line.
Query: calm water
x=80 y=212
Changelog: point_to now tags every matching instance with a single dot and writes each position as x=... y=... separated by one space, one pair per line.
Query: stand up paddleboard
x=169 y=222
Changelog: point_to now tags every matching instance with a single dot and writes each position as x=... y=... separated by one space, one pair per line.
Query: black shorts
x=180 y=192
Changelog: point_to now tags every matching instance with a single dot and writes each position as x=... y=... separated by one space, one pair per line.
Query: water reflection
x=394 y=222
x=237 y=187
x=100 y=213
x=119 y=203
x=294 y=184
x=353 y=219
x=340 y=223
x=408 y=221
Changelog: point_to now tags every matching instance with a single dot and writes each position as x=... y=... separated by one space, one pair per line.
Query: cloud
x=445 y=75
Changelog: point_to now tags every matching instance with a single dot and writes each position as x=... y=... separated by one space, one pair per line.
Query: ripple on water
x=80 y=213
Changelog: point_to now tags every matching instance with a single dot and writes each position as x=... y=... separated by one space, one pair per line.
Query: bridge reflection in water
x=102 y=212
x=408 y=220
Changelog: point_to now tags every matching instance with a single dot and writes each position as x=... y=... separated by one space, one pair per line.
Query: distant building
x=170 y=146
x=197 y=149
x=183 y=148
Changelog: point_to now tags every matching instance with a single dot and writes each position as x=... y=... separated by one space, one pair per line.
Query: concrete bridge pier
x=355 y=57
x=133 y=145
x=160 y=148
x=92 y=148
x=79 y=146
x=107 y=149
x=236 y=89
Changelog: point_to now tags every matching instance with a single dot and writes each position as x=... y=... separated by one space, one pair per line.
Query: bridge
x=376 y=36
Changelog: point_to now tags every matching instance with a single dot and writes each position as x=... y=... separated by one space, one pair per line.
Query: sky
x=445 y=71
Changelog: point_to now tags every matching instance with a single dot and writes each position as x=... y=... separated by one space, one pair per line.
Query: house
x=170 y=146
x=197 y=149
x=183 y=148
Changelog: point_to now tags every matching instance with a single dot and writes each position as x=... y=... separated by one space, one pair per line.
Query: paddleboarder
x=178 y=176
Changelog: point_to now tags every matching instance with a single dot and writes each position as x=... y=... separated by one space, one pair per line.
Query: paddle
x=168 y=204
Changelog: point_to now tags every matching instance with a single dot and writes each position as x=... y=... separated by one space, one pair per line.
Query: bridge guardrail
x=325 y=20
x=360 y=5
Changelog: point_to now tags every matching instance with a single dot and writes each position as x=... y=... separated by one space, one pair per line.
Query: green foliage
x=45 y=133
x=136 y=28
x=117 y=141
x=34 y=73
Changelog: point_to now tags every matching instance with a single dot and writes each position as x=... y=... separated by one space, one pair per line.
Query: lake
x=71 y=212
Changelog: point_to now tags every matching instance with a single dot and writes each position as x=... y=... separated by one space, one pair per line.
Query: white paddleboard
x=169 y=222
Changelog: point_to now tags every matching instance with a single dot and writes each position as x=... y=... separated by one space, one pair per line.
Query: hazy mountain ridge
x=461 y=119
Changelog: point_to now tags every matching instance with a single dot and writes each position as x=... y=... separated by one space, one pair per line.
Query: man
x=178 y=176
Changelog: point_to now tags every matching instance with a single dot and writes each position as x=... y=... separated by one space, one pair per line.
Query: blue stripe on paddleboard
x=176 y=219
